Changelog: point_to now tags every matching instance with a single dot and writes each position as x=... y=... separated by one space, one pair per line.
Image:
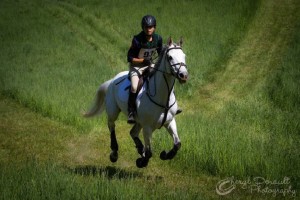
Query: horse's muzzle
x=183 y=77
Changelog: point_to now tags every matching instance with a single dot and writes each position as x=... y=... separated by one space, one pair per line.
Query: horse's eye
x=170 y=58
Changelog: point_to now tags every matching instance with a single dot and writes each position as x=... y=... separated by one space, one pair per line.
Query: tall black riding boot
x=131 y=108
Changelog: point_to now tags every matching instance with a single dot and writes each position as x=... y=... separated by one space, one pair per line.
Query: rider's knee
x=134 y=83
x=133 y=89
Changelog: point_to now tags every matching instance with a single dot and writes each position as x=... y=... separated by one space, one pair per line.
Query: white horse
x=156 y=103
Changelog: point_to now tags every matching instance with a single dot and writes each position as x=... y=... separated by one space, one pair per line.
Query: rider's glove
x=147 y=62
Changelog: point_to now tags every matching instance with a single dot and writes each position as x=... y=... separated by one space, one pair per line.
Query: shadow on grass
x=106 y=171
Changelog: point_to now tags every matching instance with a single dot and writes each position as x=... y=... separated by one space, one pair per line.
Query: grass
x=51 y=182
x=70 y=49
x=48 y=159
x=241 y=105
x=251 y=113
x=51 y=160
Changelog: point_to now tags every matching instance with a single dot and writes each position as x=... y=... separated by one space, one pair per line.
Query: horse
x=156 y=104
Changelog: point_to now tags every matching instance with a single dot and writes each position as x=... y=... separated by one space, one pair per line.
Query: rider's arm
x=133 y=52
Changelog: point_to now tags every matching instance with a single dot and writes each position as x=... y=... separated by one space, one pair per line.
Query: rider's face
x=149 y=30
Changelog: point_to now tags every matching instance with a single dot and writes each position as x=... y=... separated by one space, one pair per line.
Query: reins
x=166 y=107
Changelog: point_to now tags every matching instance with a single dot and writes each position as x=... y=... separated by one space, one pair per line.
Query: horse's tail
x=99 y=103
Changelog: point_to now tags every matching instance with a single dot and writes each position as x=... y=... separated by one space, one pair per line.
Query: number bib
x=146 y=53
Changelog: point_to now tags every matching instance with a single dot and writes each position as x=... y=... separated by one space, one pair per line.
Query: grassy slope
x=239 y=103
x=51 y=160
x=62 y=51
x=270 y=100
x=259 y=54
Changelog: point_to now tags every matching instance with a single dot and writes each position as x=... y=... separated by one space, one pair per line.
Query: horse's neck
x=161 y=85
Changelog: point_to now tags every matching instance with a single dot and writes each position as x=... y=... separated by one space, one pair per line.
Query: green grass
x=241 y=105
x=52 y=182
x=61 y=51
x=43 y=159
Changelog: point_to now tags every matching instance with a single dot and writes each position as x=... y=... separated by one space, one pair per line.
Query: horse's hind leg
x=113 y=142
x=134 y=132
x=172 y=129
x=112 y=115
x=112 y=111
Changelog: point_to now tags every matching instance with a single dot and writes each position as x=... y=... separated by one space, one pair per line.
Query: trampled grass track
x=257 y=56
x=101 y=36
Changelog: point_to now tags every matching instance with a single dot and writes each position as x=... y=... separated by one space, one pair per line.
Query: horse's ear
x=170 y=41
x=181 y=42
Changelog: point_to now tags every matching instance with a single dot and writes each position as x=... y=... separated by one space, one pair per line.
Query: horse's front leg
x=143 y=161
x=134 y=133
x=172 y=129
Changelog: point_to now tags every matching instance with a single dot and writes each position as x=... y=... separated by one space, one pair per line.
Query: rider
x=139 y=56
x=143 y=47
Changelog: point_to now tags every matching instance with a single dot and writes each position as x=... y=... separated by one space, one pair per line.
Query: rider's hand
x=147 y=61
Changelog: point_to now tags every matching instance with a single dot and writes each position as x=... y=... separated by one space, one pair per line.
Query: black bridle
x=176 y=74
x=167 y=107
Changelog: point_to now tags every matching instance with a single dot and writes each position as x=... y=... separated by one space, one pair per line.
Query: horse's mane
x=160 y=59
x=161 y=55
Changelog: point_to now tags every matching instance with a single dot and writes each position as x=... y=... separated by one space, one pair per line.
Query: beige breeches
x=134 y=73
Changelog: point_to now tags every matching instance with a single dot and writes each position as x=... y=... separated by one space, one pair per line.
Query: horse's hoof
x=113 y=156
x=141 y=162
x=177 y=146
x=163 y=155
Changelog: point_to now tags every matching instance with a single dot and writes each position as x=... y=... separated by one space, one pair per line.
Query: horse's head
x=176 y=59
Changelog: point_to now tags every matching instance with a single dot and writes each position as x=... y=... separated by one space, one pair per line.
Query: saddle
x=142 y=78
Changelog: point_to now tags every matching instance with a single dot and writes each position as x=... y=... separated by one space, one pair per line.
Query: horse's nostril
x=182 y=76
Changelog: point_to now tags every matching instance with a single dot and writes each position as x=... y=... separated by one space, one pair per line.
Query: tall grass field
x=241 y=104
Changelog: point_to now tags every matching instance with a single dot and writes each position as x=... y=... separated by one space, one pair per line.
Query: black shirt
x=141 y=48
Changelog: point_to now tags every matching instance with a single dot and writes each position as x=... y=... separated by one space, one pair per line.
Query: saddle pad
x=123 y=90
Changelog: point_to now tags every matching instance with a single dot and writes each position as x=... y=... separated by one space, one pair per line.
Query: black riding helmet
x=148 y=20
